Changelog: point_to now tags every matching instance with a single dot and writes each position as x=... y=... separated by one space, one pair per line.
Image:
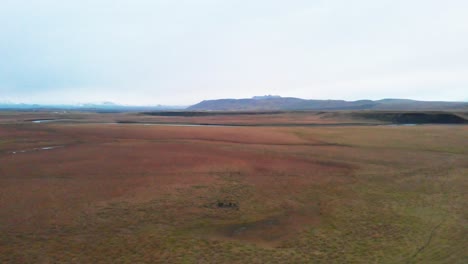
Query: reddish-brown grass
x=100 y=163
x=132 y=193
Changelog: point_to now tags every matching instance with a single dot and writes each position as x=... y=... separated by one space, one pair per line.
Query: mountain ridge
x=275 y=103
x=103 y=106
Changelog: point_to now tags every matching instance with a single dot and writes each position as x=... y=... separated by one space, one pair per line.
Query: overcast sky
x=147 y=52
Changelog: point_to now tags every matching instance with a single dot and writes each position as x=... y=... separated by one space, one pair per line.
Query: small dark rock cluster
x=227 y=204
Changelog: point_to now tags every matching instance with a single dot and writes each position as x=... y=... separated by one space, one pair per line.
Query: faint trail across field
x=34 y=149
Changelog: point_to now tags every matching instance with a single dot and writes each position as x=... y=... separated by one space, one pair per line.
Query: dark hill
x=412 y=117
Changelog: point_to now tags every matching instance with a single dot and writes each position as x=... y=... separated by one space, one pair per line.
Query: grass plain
x=83 y=191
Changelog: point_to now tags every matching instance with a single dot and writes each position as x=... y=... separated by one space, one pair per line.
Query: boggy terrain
x=128 y=193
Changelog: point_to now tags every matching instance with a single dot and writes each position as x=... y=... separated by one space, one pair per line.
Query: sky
x=180 y=52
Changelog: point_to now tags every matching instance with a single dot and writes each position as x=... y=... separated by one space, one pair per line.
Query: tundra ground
x=128 y=193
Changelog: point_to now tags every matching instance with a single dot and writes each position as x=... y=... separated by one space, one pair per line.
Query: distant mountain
x=98 y=107
x=275 y=103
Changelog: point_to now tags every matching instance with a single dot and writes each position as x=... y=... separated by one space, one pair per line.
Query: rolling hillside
x=274 y=103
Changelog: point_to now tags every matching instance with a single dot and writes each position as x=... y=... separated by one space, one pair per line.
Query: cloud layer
x=181 y=52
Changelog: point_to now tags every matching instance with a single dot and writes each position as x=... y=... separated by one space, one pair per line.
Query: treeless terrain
x=266 y=118
x=83 y=191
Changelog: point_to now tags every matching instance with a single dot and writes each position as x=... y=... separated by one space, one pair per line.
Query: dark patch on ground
x=211 y=113
x=228 y=204
x=272 y=230
x=413 y=117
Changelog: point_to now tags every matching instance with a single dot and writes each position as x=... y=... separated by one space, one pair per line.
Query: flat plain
x=97 y=188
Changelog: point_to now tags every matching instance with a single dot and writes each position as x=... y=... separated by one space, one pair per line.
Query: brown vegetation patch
x=107 y=162
x=152 y=194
